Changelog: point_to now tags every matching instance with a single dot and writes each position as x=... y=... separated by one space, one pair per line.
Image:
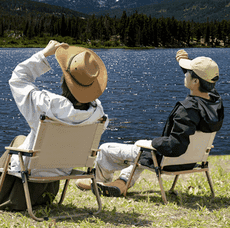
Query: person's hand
x=181 y=54
x=52 y=46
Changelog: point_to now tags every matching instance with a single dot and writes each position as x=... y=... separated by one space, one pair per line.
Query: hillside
x=27 y=7
x=197 y=10
x=24 y=23
x=90 y=6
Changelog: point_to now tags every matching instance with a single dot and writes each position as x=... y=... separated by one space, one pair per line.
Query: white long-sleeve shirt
x=33 y=102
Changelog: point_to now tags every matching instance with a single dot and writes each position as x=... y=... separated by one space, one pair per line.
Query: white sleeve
x=22 y=87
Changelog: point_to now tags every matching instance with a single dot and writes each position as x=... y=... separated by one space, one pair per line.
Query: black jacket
x=192 y=114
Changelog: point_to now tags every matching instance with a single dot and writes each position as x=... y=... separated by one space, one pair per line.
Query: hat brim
x=82 y=94
x=185 y=63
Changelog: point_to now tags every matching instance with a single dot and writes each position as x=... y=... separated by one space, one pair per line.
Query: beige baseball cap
x=204 y=67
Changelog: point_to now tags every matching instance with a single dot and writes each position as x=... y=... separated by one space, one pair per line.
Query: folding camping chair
x=197 y=152
x=58 y=145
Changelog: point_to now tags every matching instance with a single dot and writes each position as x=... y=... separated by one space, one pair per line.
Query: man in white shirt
x=84 y=80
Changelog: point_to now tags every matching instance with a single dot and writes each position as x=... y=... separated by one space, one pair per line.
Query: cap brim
x=185 y=63
x=82 y=94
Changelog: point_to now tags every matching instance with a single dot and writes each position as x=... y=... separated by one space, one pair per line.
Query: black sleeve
x=184 y=125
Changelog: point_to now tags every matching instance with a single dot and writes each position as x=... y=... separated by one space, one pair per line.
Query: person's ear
x=196 y=81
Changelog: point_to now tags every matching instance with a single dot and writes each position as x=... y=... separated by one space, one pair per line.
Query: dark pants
x=12 y=196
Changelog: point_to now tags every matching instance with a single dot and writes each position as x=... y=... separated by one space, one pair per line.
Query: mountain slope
x=196 y=10
x=27 y=7
x=90 y=6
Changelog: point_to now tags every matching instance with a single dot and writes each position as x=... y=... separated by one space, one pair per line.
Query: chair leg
x=3 y=176
x=28 y=202
x=97 y=196
x=210 y=183
x=96 y=192
x=132 y=173
x=26 y=190
x=64 y=192
x=130 y=179
x=162 y=188
x=174 y=183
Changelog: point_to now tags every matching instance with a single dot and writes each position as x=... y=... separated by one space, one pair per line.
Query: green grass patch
x=143 y=206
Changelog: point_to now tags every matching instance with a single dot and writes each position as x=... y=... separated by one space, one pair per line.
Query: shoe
x=84 y=184
x=113 y=189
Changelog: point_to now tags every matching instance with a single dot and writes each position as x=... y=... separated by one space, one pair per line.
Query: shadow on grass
x=106 y=216
x=181 y=199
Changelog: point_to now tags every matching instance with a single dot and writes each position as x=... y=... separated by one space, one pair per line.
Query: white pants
x=115 y=157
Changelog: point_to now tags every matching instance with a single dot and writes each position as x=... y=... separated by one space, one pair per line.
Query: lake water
x=143 y=87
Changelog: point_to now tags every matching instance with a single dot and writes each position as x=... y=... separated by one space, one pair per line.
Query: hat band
x=75 y=80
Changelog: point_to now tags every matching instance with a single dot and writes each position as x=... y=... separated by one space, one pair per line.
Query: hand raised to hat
x=181 y=54
x=52 y=46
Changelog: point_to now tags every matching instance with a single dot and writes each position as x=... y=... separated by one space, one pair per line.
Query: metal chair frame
x=203 y=148
x=37 y=161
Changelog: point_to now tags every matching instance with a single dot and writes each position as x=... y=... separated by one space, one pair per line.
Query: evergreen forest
x=136 y=30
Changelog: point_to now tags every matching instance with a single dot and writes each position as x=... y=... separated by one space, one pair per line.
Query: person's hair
x=205 y=86
x=66 y=93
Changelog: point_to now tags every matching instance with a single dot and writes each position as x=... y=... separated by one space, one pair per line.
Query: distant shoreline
x=42 y=42
x=111 y=47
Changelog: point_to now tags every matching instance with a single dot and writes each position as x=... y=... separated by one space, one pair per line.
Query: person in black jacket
x=201 y=110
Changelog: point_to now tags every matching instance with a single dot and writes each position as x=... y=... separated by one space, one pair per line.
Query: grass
x=143 y=206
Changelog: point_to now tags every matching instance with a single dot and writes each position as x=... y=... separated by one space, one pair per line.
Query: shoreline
x=42 y=43
x=113 y=47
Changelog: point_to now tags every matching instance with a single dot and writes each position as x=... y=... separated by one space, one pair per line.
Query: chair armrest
x=20 y=150
x=102 y=119
x=145 y=146
x=94 y=152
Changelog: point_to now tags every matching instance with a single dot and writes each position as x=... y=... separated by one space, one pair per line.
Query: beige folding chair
x=58 y=145
x=197 y=152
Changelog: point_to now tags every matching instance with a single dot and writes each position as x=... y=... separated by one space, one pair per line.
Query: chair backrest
x=197 y=151
x=65 y=146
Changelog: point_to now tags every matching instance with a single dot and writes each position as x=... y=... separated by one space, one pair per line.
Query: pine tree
x=1 y=29
x=131 y=33
x=123 y=26
x=30 y=32
x=63 y=26
x=94 y=27
x=207 y=34
x=25 y=30
x=155 y=33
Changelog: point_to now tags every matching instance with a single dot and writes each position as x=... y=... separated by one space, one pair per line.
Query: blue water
x=143 y=87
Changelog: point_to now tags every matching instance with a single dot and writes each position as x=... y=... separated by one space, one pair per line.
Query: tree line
x=136 y=30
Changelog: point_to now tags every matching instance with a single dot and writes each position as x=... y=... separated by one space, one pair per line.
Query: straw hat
x=204 y=67
x=85 y=73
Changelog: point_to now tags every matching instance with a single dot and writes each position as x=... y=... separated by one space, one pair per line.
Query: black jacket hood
x=211 y=111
